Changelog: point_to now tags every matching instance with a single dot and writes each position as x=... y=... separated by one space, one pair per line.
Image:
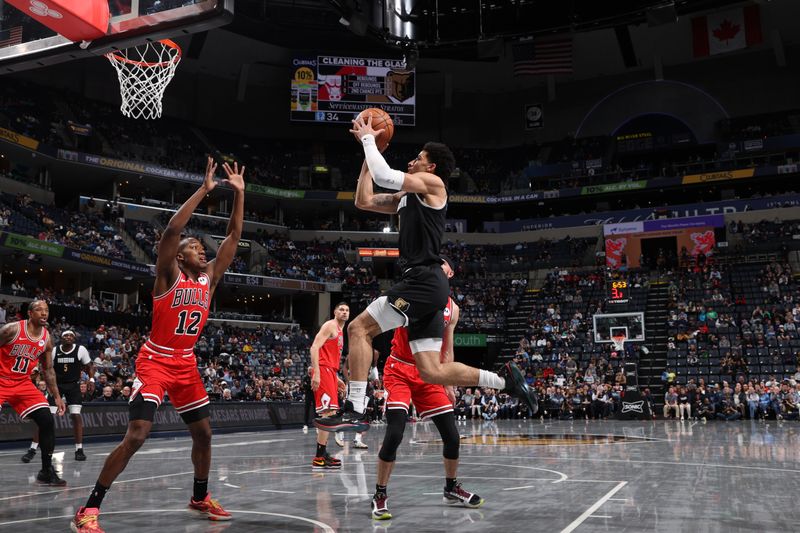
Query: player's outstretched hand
x=211 y=168
x=361 y=128
x=235 y=176
x=60 y=407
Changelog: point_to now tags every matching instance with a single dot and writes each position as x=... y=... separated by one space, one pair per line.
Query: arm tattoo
x=383 y=199
x=50 y=376
x=8 y=332
x=50 y=379
x=48 y=369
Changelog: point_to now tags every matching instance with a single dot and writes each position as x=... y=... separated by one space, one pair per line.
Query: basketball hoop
x=619 y=342
x=144 y=72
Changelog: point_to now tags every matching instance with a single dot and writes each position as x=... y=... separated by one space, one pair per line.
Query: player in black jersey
x=419 y=299
x=69 y=359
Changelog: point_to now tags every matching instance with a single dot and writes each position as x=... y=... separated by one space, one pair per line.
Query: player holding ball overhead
x=418 y=301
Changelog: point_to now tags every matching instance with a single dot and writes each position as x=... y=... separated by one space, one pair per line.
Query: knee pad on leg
x=395 y=426
x=47 y=429
x=446 y=424
x=43 y=418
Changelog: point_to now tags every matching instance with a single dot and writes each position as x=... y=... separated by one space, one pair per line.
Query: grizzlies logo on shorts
x=401 y=305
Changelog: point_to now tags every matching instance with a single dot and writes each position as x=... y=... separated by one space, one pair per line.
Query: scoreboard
x=618 y=292
x=336 y=89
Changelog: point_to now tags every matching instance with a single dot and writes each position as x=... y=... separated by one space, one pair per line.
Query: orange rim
x=166 y=42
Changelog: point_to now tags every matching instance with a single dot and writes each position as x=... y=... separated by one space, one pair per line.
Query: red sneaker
x=85 y=521
x=209 y=508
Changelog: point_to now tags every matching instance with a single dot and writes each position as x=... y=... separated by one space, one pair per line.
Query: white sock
x=491 y=380
x=357 y=395
x=78 y=447
x=357 y=438
x=34 y=445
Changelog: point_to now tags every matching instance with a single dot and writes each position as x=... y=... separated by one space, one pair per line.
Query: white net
x=619 y=342
x=144 y=72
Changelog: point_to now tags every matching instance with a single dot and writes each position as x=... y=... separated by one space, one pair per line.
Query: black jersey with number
x=67 y=364
x=421 y=231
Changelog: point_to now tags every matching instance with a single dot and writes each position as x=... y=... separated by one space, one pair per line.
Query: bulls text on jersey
x=25 y=350
x=190 y=296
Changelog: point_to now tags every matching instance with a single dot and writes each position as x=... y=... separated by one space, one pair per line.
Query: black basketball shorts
x=72 y=393
x=417 y=301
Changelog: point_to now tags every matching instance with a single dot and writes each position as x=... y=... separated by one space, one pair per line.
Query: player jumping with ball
x=419 y=299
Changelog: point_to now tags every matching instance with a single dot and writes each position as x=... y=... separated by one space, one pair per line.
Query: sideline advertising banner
x=18 y=138
x=470 y=340
x=274 y=283
x=719 y=176
x=726 y=207
x=112 y=418
x=32 y=245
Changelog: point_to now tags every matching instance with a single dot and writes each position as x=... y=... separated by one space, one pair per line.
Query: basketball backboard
x=608 y=325
x=26 y=44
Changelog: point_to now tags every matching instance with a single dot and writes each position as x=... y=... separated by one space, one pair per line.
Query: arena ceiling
x=459 y=29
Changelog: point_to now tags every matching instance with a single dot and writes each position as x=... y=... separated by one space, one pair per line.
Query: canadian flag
x=725 y=31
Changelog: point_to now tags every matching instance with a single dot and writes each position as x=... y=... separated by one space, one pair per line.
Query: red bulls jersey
x=331 y=352
x=179 y=316
x=19 y=358
x=400 y=348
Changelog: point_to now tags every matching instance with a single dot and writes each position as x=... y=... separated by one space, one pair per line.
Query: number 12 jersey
x=179 y=316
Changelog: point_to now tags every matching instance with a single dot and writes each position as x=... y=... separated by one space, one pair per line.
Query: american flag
x=543 y=55
x=11 y=36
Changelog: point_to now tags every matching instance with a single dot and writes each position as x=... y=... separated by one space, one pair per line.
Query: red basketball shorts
x=327 y=395
x=177 y=376
x=22 y=395
x=403 y=386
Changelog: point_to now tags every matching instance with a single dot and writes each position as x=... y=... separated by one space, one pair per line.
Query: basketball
x=380 y=121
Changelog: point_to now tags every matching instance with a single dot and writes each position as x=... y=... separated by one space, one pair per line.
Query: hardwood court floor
x=535 y=476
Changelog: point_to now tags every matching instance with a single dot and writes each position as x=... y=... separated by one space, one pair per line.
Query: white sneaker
x=339 y=440
x=305 y=429
x=360 y=445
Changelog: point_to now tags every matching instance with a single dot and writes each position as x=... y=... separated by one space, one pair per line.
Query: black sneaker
x=516 y=386
x=380 y=510
x=49 y=477
x=79 y=455
x=459 y=495
x=344 y=420
x=29 y=455
x=326 y=462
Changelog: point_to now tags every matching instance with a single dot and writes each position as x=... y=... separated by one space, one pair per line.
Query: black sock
x=47 y=460
x=321 y=449
x=200 y=489
x=96 y=497
x=449 y=483
x=380 y=488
